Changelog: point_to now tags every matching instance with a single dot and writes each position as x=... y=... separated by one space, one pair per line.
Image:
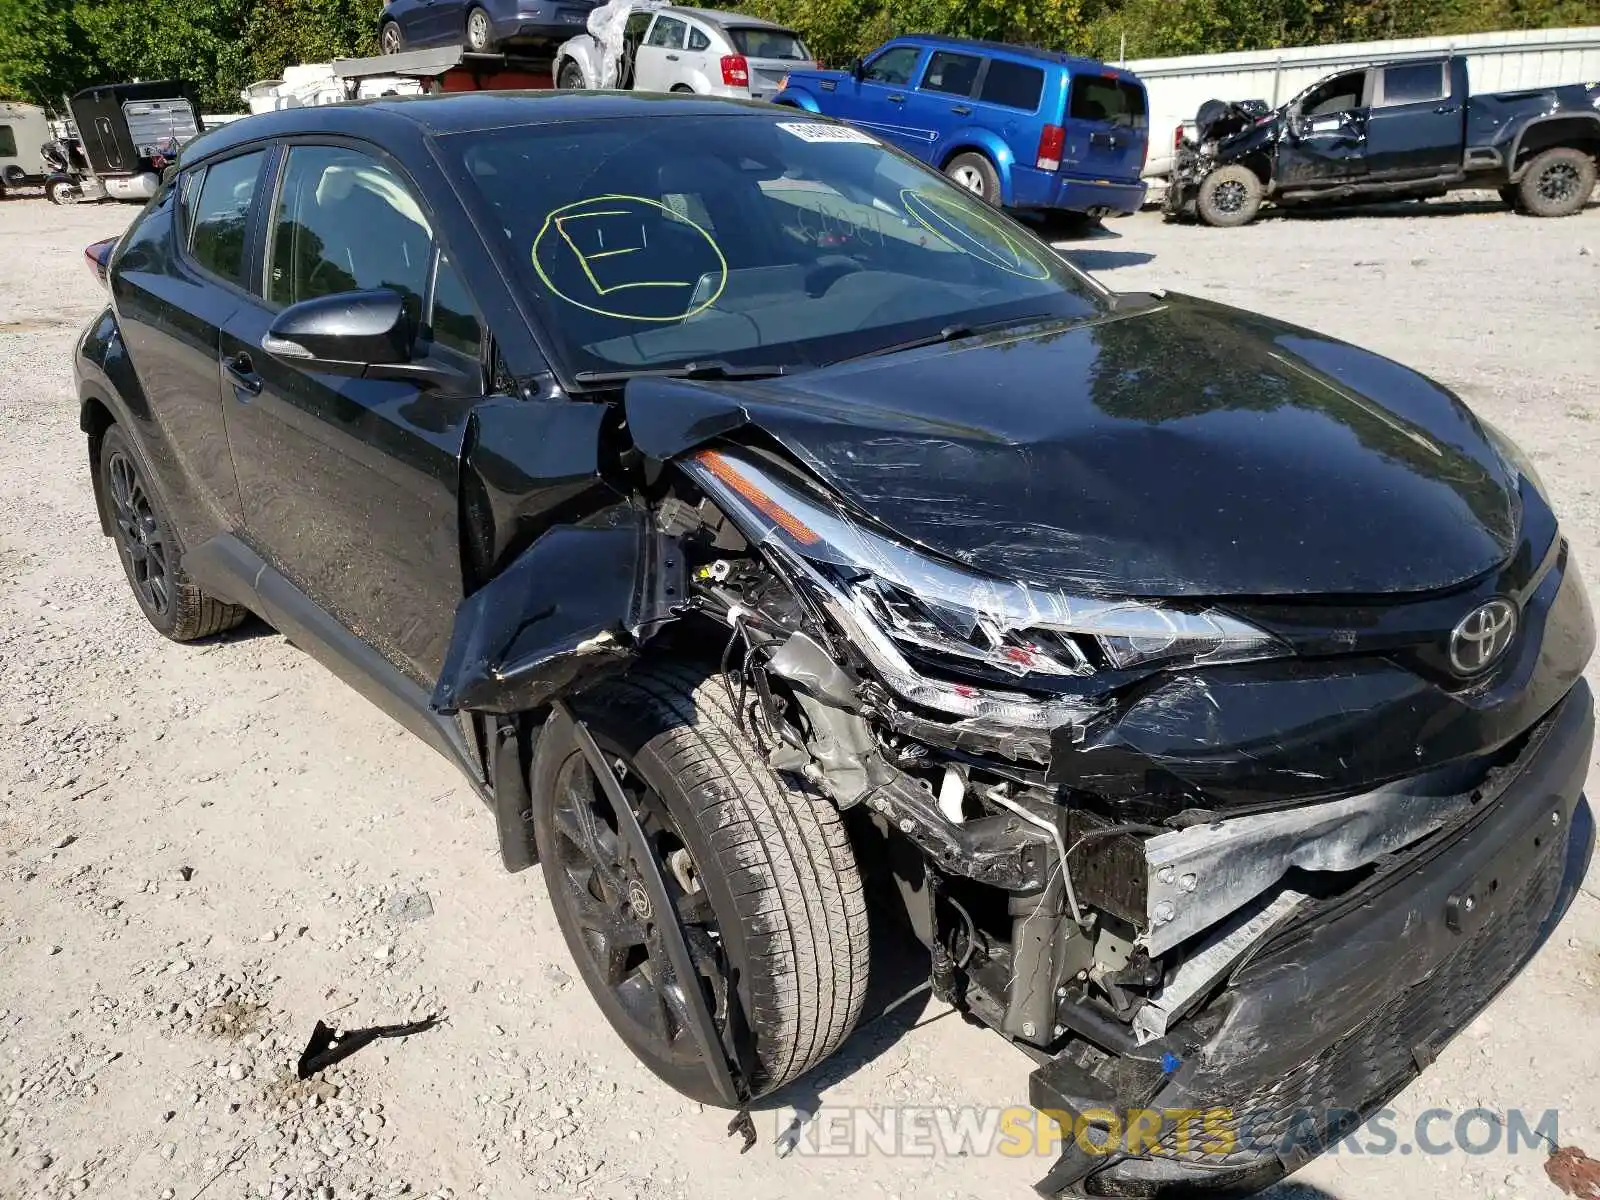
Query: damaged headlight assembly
x=905 y=610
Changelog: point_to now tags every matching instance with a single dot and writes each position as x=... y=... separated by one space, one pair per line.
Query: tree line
x=51 y=47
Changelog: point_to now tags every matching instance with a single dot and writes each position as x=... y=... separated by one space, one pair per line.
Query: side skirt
x=230 y=570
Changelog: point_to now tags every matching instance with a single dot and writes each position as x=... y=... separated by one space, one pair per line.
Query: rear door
x=661 y=56
x=697 y=61
x=943 y=100
x=1107 y=127
x=1415 y=129
x=350 y=484
x=181 y=275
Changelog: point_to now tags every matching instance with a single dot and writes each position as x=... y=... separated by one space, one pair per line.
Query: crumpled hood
x=1183 y=449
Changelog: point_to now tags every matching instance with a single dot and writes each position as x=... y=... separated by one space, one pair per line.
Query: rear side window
x=8 y=142
x=1100 y=98
x=667 y=32
x=769 y=43
x=951 y=73
x=1014 y=85
x=220 y=214
x=346 y=223
x=1414 y=83
x=698 y=39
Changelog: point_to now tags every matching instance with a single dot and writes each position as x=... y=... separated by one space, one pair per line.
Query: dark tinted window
x=1013 y=85
x=894 y=66
x=952 y=73
x=220 y=214
x=8 y=142
x=1413 y=83
x=1099 y=98
x=769 y=43
x=455 y=318
x=345 y=223
x=667 y=32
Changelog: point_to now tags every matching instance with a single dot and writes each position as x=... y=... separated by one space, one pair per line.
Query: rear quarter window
x=1012 y=85
x=1103 y=98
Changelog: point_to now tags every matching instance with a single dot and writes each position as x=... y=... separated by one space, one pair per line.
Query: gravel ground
x=204 y=850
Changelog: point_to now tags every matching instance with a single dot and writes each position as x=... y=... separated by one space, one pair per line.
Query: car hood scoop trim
x=1185 y=449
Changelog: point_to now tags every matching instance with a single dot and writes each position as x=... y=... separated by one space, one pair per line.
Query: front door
x=1415 y=129
x=1326 y=142
x=877 y=101
x=661 y=57
x=350 y=484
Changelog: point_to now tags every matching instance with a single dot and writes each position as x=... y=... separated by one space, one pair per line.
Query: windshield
x=769 y=43
x=748 y=238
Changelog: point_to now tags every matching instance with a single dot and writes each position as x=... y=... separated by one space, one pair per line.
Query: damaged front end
x=1256 y=858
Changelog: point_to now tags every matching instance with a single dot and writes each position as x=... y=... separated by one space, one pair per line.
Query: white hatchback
x=651 y=47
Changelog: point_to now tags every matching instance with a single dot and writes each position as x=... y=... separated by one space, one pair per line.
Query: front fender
x=583 y=51
x=795 y=97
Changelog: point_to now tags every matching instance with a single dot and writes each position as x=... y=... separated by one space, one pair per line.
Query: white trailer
x=1497 y=62
x=24 y=128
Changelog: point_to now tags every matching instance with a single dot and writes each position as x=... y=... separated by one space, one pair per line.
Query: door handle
x=242 y=371
x=672 y=58
x=896 y=97
x=961 y=110
x=1445 y=108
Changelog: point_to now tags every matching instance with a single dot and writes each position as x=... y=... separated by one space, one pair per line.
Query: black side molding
x=230 y=570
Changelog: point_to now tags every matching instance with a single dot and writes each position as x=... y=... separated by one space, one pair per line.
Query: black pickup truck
x=1394 y=131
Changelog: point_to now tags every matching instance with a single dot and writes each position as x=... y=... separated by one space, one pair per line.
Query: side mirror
x=366 y=334
x=858 y=69
x=343 y=334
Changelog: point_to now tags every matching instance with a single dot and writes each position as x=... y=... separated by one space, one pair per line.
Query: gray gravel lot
x=205 y=849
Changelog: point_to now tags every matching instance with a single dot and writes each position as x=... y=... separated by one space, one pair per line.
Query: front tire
x=60 y=191
x=976 y=174
x=391 y=38
x=762 y=874
x=1229 y=197
x=1557 y=183
x=151 y=550
x=480 y=32
x=570 y=77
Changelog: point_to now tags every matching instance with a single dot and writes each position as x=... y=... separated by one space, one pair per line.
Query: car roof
x=457 y=112
x=726 y=19
x=1008 y=50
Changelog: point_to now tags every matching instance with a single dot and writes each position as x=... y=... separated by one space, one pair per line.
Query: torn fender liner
x=572 y=607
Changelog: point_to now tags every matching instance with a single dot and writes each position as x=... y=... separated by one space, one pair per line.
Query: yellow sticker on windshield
x=956 y=221
x=629 y=257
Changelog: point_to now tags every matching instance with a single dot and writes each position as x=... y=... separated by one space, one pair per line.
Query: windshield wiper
x=714 y=368
x=950 y=333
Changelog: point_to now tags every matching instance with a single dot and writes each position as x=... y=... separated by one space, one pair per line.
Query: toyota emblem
x=1482 y=636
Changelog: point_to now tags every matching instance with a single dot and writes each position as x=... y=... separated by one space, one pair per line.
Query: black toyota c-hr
x=755 y=518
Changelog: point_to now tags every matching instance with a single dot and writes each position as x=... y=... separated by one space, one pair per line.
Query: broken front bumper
x=1339 y=1013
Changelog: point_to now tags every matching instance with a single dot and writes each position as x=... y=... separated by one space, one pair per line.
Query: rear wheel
x=1229 y=197
x=151 y=552
x=975 y=173
x=762 y=877
x=480 y=33
x=570 y=76
x=391 y=38
x=1557 y=183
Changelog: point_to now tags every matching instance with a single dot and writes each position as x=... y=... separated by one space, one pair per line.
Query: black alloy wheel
x=571 y=76
x=139 y=536
x=620 y=931
x=1559 y=183
x=1230 y=197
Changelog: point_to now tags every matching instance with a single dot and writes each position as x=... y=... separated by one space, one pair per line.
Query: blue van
x=1023 y=128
